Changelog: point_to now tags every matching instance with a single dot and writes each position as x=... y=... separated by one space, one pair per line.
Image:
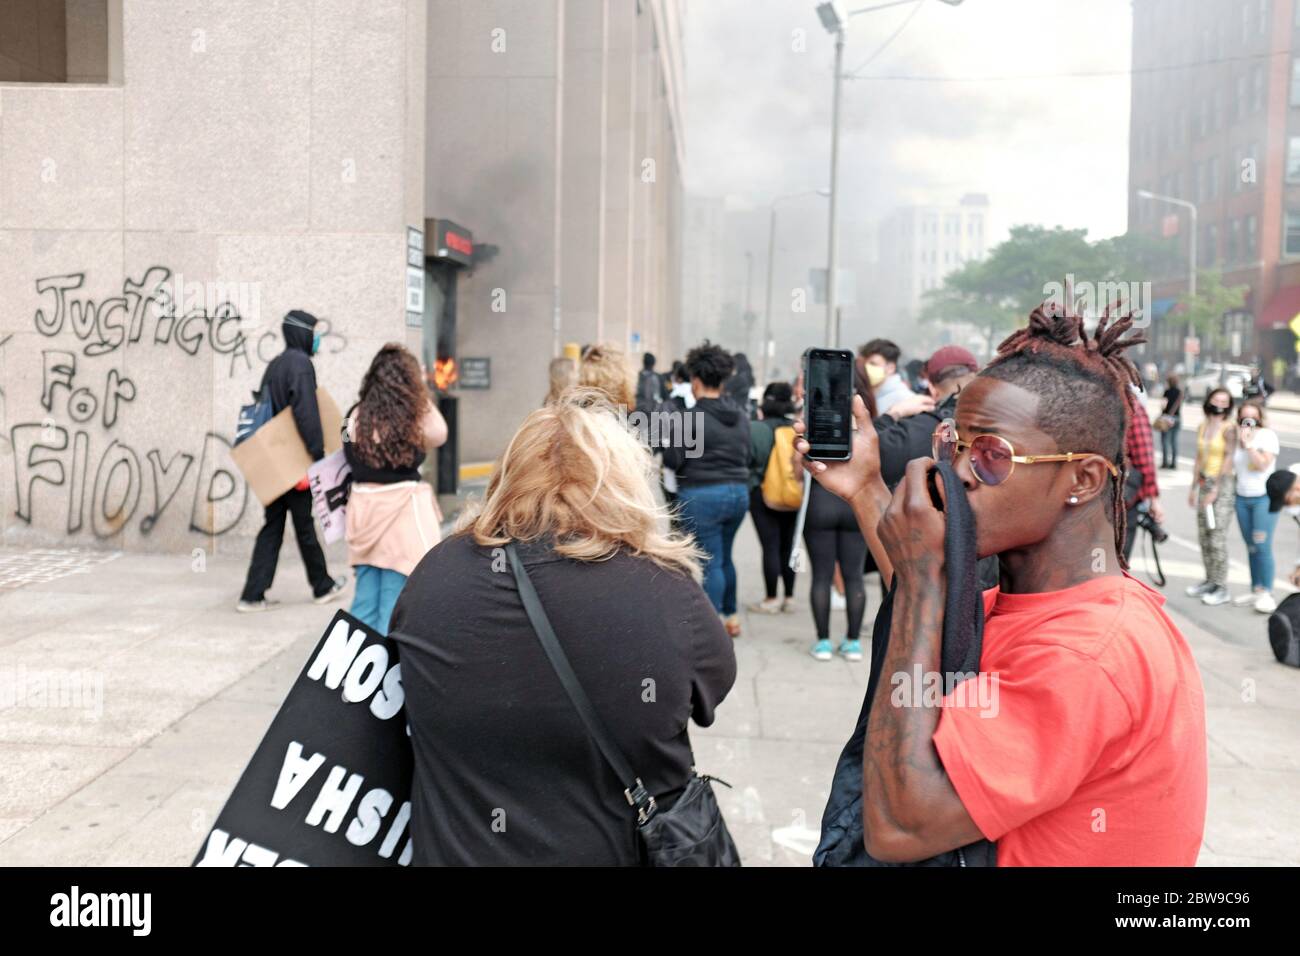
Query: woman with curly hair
x=713 y=477
x=392 y=517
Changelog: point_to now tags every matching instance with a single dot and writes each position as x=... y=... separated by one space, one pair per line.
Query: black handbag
x=692 y=831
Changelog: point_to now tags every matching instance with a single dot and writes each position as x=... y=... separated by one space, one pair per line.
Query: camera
x=1152 y=527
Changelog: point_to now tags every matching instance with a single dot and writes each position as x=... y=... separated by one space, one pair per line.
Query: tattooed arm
x=910 y=810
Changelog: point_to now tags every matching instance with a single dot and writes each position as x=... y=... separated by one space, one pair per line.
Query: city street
x=135 y=775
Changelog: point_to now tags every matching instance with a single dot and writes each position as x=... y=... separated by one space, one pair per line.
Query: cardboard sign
x=330 y=782
x=275 y=459
x=330 y=481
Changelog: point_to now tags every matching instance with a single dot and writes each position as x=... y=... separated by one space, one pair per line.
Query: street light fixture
x=1191 y=247
x=771 y=260
x=830 y=17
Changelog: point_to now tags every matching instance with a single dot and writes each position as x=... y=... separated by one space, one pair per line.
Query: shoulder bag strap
x=636 y=794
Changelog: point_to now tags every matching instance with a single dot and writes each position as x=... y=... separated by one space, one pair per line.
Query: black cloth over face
x=963 y=635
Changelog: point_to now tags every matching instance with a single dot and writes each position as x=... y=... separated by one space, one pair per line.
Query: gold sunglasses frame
x=960 y=443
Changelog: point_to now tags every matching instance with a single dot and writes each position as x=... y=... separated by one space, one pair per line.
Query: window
x=1212 y=178
x=1198 y=177
x=70 y=41
x=1291 y=239
x=1210 y=252
x=1252 y=236
x=1234 y=240
x=1293 y=159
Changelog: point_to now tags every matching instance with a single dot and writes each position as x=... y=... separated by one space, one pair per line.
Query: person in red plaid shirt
x=1140 y=452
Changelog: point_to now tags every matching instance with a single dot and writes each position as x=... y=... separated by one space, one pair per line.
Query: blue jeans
x=1169 y=444
x=1257 y=525
x=713 y=513
x=376 y=593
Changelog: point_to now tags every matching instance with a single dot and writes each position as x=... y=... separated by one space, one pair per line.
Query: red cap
x=949 y=356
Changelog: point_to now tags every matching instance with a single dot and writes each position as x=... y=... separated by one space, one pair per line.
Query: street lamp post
x=771 y=267
x=749 y=286
x=1191 y=255
x=834 y=24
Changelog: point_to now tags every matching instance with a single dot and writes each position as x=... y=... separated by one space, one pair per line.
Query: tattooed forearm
x=901 y=769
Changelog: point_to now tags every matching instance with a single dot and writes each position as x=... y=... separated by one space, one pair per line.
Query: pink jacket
x=392 y=526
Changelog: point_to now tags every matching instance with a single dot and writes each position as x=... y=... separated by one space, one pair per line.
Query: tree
x=1213 y=300
x=997 y=294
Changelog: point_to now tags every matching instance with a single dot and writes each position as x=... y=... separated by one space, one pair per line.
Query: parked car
x=1214 y=375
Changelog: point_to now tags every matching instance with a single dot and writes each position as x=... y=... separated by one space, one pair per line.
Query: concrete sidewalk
x=189 y=687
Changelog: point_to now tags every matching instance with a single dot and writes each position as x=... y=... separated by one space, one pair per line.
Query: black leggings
x=776 y=535
x=833 y=537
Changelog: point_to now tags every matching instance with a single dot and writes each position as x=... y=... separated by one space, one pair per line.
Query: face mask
x=875 y=375
x=315 y=343
x=1292 y=510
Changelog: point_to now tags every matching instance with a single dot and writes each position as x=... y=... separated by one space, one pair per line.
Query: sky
x=1046 y=149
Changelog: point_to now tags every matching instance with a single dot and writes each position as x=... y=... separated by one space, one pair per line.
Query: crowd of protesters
x=626 y=540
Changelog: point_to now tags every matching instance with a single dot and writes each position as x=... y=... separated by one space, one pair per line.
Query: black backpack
x=1284 y=631
x=649 y=391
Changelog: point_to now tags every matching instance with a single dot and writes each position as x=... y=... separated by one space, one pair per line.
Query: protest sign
x=330 y=480
x=330 y=783
x=274 y=459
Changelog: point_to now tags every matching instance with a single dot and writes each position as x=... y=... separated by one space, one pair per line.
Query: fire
x=444 y=374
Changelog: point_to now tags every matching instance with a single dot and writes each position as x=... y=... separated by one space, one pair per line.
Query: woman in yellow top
x=1212 y=495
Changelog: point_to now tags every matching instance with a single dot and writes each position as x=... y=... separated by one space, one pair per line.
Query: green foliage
x=997 y=293
x=1205 y=312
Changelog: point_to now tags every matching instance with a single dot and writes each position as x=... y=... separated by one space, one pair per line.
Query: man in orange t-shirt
x=1082 y=740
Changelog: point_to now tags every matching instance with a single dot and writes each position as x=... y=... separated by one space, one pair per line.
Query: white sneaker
x=253 y=607
x=1246 y=600
x=1215 y=597
x=837 y=601
x=767 y=606
x=1199 y=590
x=334 y=593
x=1265 y=604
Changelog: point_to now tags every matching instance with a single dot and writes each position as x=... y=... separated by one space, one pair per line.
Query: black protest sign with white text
x=330 y=782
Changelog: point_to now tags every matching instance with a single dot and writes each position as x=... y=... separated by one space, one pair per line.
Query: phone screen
x=828 y=413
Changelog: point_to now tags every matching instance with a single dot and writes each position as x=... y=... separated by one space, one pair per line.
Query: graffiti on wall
x=102 y=490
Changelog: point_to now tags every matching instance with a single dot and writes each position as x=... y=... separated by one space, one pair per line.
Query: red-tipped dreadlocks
x=1055 y=357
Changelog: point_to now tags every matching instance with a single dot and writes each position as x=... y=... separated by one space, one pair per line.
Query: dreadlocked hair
x=1082 y=383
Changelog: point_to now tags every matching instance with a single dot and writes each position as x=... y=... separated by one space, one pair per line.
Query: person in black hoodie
x=290 y=380
x=713 y=473
x=737 y=387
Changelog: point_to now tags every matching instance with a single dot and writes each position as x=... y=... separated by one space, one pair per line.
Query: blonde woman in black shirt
x=505 y=772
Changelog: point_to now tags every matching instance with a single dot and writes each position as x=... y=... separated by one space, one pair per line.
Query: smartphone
x=828 y=403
